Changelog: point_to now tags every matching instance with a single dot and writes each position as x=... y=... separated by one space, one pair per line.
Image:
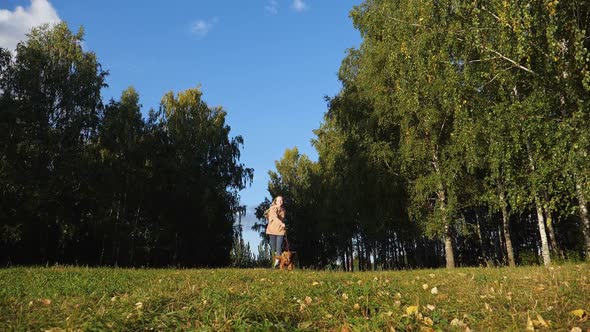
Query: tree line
x=94 y=183
x=460 y=137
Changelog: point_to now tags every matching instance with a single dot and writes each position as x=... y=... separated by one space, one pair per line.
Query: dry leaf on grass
x=434 y=291
x=458 y=323
x=345 y=328
x=540 y=321
x=413 y=309
x=529 y=324
x=580 y=313
x=304 y=325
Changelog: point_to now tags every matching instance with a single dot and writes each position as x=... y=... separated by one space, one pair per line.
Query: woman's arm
x=276 y=215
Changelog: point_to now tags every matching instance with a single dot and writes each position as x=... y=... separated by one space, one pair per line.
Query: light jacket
x=276 y=221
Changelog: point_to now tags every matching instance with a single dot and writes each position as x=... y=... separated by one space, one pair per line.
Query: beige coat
x=276 y=221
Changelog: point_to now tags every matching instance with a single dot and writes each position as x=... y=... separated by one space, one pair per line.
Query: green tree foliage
x=83 y=182
x=460 y=131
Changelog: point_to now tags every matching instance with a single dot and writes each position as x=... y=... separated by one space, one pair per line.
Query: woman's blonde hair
x=274 y=201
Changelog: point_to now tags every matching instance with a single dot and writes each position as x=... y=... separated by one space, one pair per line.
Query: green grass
x=480 y=299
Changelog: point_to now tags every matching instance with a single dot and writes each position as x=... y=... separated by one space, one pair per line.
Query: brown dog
x=286 y=260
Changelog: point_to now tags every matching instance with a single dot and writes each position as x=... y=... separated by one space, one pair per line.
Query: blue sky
x=269 y=63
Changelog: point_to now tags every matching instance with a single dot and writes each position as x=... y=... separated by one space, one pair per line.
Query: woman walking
x=276 y=227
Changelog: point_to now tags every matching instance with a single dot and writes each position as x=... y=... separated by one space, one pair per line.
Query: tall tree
x=55 y=86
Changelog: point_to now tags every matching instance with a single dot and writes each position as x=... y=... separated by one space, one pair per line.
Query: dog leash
x=287 y=242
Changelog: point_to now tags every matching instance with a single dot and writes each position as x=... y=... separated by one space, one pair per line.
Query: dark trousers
x=276 y=244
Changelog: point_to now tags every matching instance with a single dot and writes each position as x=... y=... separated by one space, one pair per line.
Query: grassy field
x=467 y=299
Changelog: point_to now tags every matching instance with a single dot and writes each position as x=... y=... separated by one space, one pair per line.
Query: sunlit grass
x=475 y=299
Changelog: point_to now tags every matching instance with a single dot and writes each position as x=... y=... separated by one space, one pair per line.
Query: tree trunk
x=540 y=218
x=583 y=207
x=484 y=254
x=359 y=254
x=551 y=232
x=442 y=197
x=351 y=256
x=542 y=233
x=449 y=254
x=506 y=227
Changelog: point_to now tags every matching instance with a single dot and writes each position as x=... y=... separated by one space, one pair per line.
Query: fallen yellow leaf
x=425 y=286
x=580 y=313
x=308 y=300
x=529 y=324
x=542 y=321
x=412 y=309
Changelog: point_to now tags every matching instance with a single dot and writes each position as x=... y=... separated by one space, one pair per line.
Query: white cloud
x=14 y=25
x=299 y=5
x=201 y=27
x=272 y=7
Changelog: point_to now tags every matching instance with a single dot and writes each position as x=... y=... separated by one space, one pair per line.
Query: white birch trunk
x=583 y=209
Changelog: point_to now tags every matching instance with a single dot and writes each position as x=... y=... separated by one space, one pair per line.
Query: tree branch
x=510 y=60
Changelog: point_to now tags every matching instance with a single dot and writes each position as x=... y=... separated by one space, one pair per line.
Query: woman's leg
x=273 y=245
x=279 y=244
